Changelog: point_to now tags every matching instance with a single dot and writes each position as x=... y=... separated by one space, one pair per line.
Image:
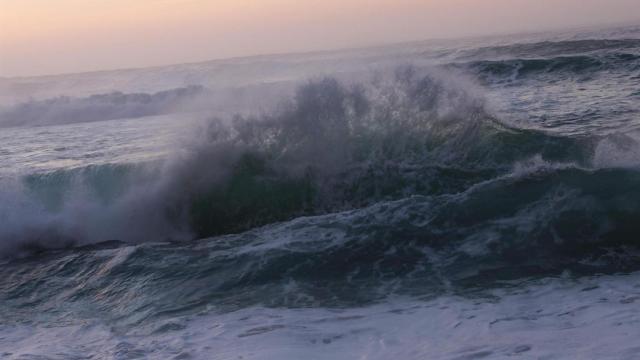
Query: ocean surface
x=452 y=199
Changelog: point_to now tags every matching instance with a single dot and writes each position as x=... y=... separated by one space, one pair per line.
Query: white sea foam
x=590 y=318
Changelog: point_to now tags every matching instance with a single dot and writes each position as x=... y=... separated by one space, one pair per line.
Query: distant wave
x=116 y=105
x=582 y=65
x=553 y=48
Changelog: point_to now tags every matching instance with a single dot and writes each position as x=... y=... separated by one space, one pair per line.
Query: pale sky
x=61 y=36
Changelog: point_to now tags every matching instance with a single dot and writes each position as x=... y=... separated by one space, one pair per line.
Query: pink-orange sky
x=58 y=36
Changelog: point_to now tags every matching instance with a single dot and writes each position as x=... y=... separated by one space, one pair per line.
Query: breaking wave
x=333 y=147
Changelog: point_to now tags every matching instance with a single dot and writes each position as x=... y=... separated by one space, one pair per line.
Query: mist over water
x=358 y=206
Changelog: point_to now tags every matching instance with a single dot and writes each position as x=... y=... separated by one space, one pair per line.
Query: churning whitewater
x=441 y=200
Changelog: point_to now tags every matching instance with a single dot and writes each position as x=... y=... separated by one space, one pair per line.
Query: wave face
x=493 y=193
x=568 y=219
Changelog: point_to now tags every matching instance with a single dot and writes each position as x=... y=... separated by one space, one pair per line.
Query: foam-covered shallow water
x=561 y=317
x=477 y=199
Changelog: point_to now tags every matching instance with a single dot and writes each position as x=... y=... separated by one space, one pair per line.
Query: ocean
x=449 y=199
